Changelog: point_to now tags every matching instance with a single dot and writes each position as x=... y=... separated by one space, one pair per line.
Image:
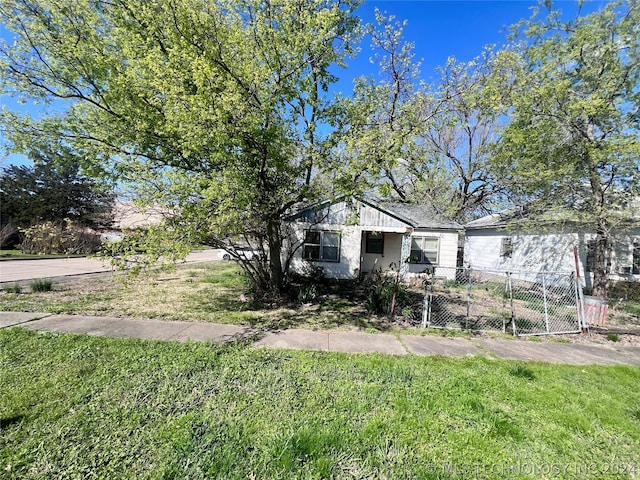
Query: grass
x=41 y=285
x=207 y=292
x=632 y=307
x=13 y=288
x=17 y=255
x=79 y=406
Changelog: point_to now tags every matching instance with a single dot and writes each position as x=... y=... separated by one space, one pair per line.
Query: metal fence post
x=513 y=312
x=466 y=321
x=544 y=298
x=428 y=301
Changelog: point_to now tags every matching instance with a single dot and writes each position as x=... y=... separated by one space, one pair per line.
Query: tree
x=420 y=143
x=49 y=192
x=458 y=143
x=211 y=109
x=385 y=117
x=572 y=150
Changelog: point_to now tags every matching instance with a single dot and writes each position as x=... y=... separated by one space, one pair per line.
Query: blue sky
x=460 y=28
x=443 y=28
x=438 y=28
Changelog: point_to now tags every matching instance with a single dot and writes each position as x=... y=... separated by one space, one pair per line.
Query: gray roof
x=494 y=220
x=631 y=215
x=418 y=216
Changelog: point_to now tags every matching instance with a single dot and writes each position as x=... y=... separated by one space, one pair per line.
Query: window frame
x=367 y=246
x=322 y=245
x=506 y=247
x=423 y=258
x=635 y=257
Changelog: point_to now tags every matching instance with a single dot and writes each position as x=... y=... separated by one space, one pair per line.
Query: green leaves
x=572 y=143
x=209 y=108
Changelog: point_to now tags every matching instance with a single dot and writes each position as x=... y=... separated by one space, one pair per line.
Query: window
x=321 y=245
x=506 y=249
x=635 y=268
x=424 y=250
x=374 y=243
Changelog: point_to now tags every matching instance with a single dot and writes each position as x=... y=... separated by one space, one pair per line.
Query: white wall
x=550 y=252
x=447 y=254
x=349 y=264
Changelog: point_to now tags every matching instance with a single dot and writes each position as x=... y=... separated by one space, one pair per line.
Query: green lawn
x=206 y=292
x=85 y=407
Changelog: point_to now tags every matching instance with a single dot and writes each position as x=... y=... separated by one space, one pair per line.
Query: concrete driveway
x=29 y=269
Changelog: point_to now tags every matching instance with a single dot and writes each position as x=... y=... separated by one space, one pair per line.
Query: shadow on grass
x=8 y=421
x=335 y=306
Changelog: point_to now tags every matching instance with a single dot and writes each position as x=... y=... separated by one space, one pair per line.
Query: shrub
x=8 y=235
x=379 y=288
x=41 y=285
x=625 y=291
x=15 y=288
x=59 y=237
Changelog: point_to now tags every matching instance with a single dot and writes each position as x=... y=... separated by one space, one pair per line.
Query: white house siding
x=447 y=253
x=372 y=217
x=549 y=252
x=353 y=257
x=349 y=262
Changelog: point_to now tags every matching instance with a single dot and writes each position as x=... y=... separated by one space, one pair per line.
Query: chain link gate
x=521 y=303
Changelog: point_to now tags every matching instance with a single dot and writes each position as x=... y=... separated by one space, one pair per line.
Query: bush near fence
x=625 y=291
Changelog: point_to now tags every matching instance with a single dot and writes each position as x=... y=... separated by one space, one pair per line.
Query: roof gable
x=369 y=213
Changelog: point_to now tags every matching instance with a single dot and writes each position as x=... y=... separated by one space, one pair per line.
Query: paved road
x=19 y=270
x=351 y=342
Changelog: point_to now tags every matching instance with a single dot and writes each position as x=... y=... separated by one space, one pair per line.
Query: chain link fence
x=521 y=303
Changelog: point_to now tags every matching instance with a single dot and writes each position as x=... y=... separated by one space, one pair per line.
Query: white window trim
x=423 y=259
x=321 y=245
x=507 y=247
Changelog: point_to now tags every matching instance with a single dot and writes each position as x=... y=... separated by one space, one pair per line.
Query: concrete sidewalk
x=330 y=341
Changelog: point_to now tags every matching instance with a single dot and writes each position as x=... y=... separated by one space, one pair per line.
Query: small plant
x=522 y=371
x=407 y=312
x=613 y=337
x=41 y=285
x=380 y=292
x=308 y=293
x=15 y=288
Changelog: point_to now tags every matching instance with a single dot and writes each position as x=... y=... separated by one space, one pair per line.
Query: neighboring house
x=127 y=216
x=348 y=239
x=490 y=244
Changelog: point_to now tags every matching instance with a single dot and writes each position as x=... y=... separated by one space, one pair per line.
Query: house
x=491 y=244
x=127 y=216
x=347 y=239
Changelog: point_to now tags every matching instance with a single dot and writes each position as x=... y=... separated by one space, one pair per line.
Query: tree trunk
x=274 y=239
x=602 y=263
